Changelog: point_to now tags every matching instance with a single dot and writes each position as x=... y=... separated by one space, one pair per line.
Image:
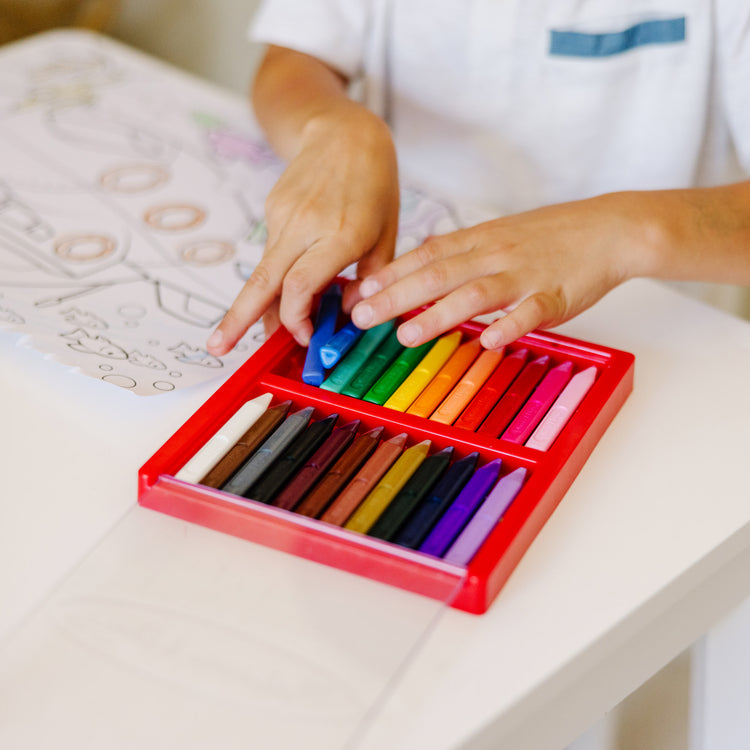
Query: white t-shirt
x=512 y=104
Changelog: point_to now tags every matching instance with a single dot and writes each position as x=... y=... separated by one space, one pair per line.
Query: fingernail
x=215 y=339
x=490 y=340
x=408 y=333
x=362 y=315
x=368 y=287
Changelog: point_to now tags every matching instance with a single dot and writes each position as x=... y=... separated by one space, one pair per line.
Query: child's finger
x=540 y=310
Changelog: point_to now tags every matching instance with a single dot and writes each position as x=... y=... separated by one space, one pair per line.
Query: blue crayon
x=461 y=509
x=434 y=505
x=313 y=371
x=339 y=344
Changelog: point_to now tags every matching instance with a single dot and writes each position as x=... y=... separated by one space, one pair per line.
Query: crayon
x=313 y=372
x=446 y=379
x=538 y=403
x=481 y=405
x=486 y=518
x=357 y=356
x=246 y=445
x=561 y=411
x=507 y=407
x=461 y=509
x=397 y=372
x=222 y=440
x=342 y=471
x=364 y=480
x=316 y=466
x=434 y=505
x=373 y=367
x=291 y=460
x=339 y=344
x=410 y=495
x=467 y=387
x=418 y=379
x=385 y=490
x=271 y=448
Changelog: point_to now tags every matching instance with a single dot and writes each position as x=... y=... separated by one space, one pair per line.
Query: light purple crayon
x=460 y=510
x=486 y=518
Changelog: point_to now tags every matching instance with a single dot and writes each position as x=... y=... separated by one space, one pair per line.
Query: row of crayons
x=512 y=396
x=358 y=480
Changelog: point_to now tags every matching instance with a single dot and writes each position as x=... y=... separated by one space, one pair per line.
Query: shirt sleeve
x=334 y=31
x=733 y=70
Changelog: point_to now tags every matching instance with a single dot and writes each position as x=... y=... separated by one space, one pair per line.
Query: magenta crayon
x=562 y=410
x=481 y=405
x=507 y=407
x=538 y=403
x=486 y=518
x=461 y=509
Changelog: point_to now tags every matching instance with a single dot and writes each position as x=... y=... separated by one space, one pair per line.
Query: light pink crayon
x=539 y=402
x=562 y=410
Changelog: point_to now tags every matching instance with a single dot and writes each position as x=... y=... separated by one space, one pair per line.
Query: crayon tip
x=304 y=412
x=328 y=357
x=398 y=440
x=350 y=426
x=446 y=452
x=375 y=432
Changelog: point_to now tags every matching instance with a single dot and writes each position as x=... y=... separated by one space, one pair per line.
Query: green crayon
x=374 y=367
x=356 y=357
x=397 y=372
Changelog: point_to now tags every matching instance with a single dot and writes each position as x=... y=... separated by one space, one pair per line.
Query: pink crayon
x=539 y=402
x=562 y=410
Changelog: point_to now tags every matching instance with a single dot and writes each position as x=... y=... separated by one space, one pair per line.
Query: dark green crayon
x=346 y=369
x=396 y=373
x=411 y=494
x=287 y=464
x=374 y=367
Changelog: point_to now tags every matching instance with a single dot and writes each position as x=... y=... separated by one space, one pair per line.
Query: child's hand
x=543 y=266
x=336 y=203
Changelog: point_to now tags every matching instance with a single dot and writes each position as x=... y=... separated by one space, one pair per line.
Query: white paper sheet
x=131 y=210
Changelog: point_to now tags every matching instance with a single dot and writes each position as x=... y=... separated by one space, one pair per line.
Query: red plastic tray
x=277 y=367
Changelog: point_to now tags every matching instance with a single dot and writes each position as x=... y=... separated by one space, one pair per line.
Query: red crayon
x=366 y=478
x=340 y=473
x=507 y=408
x=481 y=405
x=316 y=466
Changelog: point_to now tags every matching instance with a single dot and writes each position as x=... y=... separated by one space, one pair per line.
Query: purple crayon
x=460 y=510
x=486 y=518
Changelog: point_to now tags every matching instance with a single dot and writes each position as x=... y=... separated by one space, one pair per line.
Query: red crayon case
x=277 y=366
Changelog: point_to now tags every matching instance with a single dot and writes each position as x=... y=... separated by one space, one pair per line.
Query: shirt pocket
x=577 y=43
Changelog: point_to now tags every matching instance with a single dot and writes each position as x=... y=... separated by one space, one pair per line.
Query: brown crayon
x=340 y=473
x=366 y=478
x=246 y=445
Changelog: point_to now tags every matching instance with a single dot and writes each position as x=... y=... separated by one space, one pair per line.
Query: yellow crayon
x=386 y=489
x=420 y=377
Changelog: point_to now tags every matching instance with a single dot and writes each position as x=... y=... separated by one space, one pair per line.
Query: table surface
x=643 y=555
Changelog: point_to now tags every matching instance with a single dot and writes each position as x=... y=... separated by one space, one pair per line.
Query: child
x=604 y=143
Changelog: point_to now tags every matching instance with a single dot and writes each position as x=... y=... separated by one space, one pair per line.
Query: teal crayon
x=290 y=461
x=411 y=494
x=374 y=367
x=269 y=451
x=397 y=372
x=357 y=356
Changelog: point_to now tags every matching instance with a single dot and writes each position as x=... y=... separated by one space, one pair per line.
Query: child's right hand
x=336 y=203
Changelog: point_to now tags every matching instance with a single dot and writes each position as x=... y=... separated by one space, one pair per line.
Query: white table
x=646 y=552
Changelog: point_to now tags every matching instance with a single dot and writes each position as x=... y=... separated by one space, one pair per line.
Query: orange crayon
x=448 y=376
x=467 y=387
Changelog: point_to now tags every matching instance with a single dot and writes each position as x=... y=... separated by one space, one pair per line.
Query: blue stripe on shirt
x=580 y=44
